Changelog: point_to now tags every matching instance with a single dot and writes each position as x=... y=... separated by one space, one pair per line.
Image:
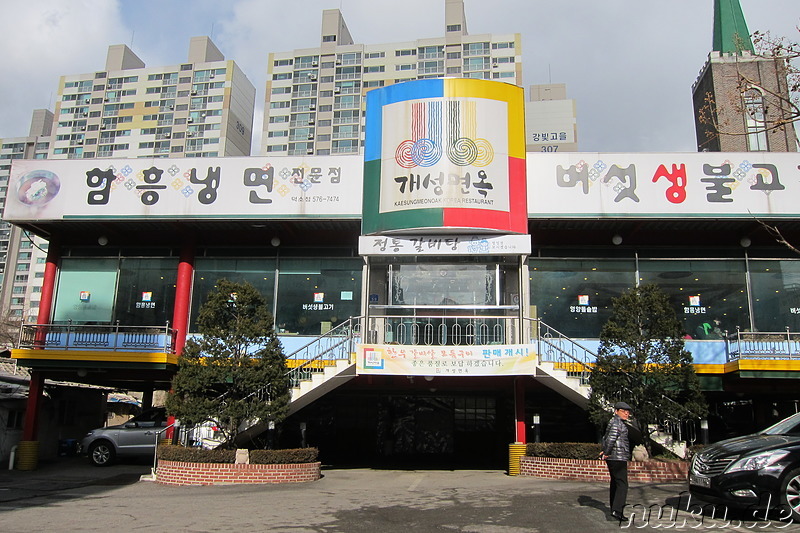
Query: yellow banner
x=491 y=360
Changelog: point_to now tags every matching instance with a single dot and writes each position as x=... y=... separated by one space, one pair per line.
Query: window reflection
x=574 y=296
x=776 y=294
x=710 y=297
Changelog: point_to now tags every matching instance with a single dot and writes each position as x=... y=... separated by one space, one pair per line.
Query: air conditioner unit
x=167 y=135
x=337 y=89
x=171 y=108
x=84 y=115
x=83 y=128
x=103 y=126
x=312 y=76
x=310 y=151
x=105 y=99
x=80 y=141
x=312 y=107
x=190 y=134
x=86 y=100
x=194 y=93
x=311 y=121
x=338 y=61
x=314 y=63
x=212 y=75
x=310 y=136
x=189 y=120
x=21 y=149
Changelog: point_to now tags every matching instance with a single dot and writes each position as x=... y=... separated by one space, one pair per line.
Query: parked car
x=758 y=471
x=136 y=437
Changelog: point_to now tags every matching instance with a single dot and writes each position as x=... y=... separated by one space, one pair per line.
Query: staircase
x=564 y=365
x=315 y=370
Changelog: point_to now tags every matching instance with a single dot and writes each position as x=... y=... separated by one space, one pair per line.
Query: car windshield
x=787 y=426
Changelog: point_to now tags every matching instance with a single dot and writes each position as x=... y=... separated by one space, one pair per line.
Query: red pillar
x=183 y=296
x=31 y=428
x=49 y=283
x=519 y=409
x=180 y=313
x=48 y=292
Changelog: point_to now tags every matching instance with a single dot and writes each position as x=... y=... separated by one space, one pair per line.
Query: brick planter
x=179 y=473
x=596 y=470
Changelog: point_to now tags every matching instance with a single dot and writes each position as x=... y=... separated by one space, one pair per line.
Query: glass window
x=146 y=294
x=775 y=288
x=86 y=290
x=574 y=295
x=707 y=295
x=258 y=272
x=444 y=284
x=315 y=295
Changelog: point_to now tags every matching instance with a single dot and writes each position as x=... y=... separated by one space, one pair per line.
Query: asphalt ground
x=68 y=494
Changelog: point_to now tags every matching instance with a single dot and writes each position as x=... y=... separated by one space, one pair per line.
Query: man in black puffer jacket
x=617 y=453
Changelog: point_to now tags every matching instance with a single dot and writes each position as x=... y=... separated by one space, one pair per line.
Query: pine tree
x=642 y=361
x=234 y=373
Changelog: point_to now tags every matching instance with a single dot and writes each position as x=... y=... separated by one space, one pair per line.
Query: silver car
x=136 y=437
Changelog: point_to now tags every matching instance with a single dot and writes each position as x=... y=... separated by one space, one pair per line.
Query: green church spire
x=730 y=29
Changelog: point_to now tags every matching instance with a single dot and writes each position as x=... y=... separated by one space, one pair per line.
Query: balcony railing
x=98 y=337
x=762 y=345
x=459 y=326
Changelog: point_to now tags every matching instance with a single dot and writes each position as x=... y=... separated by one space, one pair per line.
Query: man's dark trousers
x=618 y=492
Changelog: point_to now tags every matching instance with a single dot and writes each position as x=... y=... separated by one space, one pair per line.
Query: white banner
x=709 y=184
x=230 y=187
x=490 y=360
x=444 y=245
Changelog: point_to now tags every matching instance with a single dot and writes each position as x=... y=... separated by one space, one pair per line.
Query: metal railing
x=762 y=345
x=442 y=329
x=555 y=347
x=336 y=344
x=114 y=337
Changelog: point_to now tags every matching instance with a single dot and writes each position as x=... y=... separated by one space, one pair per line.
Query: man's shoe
x=619 y=516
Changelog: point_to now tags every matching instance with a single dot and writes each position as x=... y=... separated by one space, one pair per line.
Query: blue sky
x=629 y=64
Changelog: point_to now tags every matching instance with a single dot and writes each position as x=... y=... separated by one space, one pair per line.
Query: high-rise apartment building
x=740 y=97
x=20 y=253
x=315 y=97
x=202 y=108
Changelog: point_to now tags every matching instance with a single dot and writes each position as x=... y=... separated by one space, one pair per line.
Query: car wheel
x=101 y=453
x=790 y=493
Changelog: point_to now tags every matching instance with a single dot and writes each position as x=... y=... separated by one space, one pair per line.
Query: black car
x=757 y=471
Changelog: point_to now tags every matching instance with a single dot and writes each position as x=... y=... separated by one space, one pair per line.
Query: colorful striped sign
x=445 y=153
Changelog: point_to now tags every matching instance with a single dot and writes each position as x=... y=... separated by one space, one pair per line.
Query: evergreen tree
x=642 y=361
x=235 y=372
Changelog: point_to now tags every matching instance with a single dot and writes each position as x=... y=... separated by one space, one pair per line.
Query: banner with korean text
x=664 y=185
x=413 y=360
x=215 y=187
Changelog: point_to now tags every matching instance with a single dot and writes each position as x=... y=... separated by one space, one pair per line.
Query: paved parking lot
x=70 y=495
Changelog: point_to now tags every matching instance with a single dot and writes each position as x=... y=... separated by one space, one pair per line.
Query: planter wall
x=180 y=473
x=596 y=470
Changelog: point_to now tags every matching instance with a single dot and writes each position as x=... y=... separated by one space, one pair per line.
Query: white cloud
x=628 y=64
x=43 y=40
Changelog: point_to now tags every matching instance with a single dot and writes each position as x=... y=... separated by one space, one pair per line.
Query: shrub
x=272 y=457
x=564 y=450
x=195 y=455
x=261 y=457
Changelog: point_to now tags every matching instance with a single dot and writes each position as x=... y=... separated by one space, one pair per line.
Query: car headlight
x=756 y=462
